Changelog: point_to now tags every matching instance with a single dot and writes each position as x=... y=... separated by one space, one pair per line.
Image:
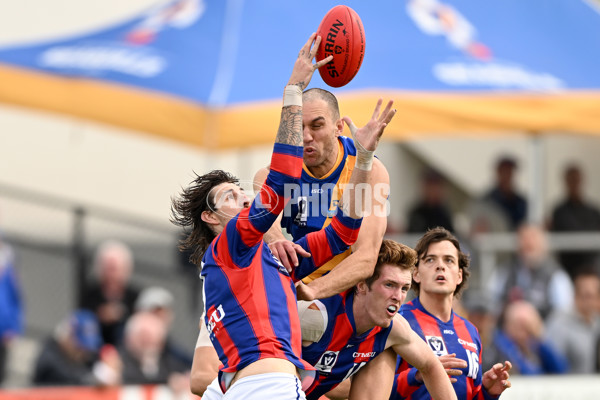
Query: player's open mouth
x=440 y=278
x=392 y=309
x=309 y=150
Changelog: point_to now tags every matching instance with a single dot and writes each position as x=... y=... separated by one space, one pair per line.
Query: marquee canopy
x=211 y=72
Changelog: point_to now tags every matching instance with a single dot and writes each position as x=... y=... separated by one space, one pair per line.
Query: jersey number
x=354 y=369
x=473 y=360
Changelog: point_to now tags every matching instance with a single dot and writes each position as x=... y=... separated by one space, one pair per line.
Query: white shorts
x=213 y=391
x=272 y=386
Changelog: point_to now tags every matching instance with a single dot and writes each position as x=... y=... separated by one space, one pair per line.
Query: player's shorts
x=213 y=391
x=272 y=386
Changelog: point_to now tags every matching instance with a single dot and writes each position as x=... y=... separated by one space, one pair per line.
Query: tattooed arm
x=290 y=127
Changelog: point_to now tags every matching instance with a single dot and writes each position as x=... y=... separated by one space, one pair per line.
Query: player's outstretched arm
x=343 y=230
x=286 y=161
x=290 y=126
x=360 y=264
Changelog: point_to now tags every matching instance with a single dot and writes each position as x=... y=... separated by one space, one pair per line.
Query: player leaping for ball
x=329 y=159
x=249 y=297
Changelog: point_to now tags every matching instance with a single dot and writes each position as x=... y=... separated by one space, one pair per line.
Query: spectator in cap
x=504 y=194
x=72 y=356
x=159 y=301
x=111 y=295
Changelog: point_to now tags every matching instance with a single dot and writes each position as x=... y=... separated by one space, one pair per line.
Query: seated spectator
x=145 y=360
x=11 y=308
x=522 y=342
x=504 y=194
x=432 y=209
x=575 y=214
x=71 y=355
x=533 y=275
x=574 y=333
x=159 y=301
x=111 y=295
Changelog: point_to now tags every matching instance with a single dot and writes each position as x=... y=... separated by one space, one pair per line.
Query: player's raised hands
x=304 y=67
x=368 y=136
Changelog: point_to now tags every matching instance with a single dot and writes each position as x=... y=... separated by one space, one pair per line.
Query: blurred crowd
x=540 y=310
x=118 y=335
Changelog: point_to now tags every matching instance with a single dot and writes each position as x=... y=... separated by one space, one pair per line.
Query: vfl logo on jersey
x=437 y=345
x=327 y=361
x=302 y=215
x=215 y=316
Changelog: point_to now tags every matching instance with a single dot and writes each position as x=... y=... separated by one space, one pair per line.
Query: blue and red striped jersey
x=457 y=336
x=249 y=298
x=314 y=204
x=340 y=352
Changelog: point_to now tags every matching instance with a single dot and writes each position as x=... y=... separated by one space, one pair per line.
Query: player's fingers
x=291 y=256
x=506 y=384
x=350 y=124
x=324 y=61
x=386 y=111
x=315 y=48
x=375 y=115
x=300 y=251
x=507 y=366
x=313 y=37
x=454 y=372
x=280 y=252
x=457 y=363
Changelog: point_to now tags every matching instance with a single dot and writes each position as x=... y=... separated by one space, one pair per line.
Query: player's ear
x=416 y=277
x=361 y=287
x=460 y=275
x=209 y=217
x=339 y=127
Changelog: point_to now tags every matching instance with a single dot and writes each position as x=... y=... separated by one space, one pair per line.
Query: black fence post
x=79 y=254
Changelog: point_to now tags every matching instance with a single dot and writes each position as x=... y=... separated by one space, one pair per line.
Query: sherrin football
x=343 y=36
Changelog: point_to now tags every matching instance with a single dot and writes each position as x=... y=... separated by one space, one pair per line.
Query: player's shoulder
x=408 y=307
x=459 y=319
x=348 y=145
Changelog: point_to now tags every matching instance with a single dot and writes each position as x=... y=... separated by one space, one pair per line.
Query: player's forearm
x=353 y=199
x=356 y=267
x=290 y=125
x=437 y=382
x=274 y=233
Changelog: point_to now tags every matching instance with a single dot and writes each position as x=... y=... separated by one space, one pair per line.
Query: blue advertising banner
x=206 y=71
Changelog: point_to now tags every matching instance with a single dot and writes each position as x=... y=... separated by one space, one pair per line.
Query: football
x=343 y=36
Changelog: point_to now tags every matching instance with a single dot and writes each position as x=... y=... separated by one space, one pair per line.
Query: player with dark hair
x=249 y=297
x=441 y=274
